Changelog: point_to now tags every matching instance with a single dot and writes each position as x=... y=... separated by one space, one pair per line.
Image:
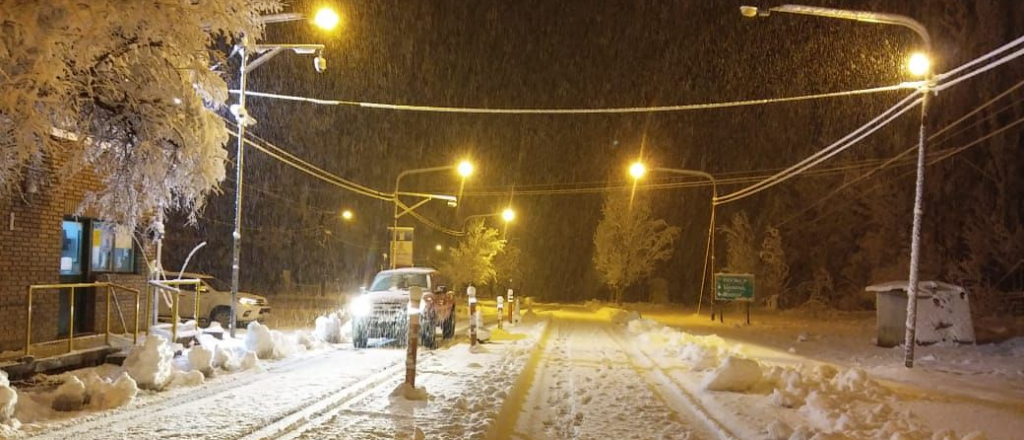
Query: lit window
x=112 y=249
x=71 y=248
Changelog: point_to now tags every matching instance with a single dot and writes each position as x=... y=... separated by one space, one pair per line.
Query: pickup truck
x=382 y=310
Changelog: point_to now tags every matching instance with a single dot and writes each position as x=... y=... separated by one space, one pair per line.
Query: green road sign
x=734 y=287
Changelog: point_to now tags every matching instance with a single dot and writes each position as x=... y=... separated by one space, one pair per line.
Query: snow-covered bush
x=150 y=364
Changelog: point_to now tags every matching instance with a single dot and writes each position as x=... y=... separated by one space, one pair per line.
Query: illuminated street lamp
x=347 y=215
x=918 y=65
x=638 y=170
x=463 y=168
x=263 y=53
x=438 y=247
x=508 y=215
x=326 y=19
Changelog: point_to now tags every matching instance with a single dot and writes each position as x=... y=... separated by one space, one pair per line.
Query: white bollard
x=473 y=321
x=501 y=311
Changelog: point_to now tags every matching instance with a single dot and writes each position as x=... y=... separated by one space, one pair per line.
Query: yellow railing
x=71 y=316
x=172 y=285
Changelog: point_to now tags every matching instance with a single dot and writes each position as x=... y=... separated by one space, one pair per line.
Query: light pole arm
x=694 y=173
x=418 y=171
x=864 y=16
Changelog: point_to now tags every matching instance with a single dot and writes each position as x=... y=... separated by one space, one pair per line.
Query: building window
x=112 y=249
x=71 y=248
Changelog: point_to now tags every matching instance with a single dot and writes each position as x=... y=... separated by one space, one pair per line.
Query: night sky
x=587 y=54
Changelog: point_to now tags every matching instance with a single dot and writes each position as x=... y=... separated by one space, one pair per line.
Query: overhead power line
x=578 y=111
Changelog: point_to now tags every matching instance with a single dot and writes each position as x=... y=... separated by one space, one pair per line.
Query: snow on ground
x=567 y=371
x=823 y=374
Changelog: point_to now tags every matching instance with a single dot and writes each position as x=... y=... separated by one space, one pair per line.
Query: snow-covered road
x=567 y=372
x=590 y=384
x=241 y=405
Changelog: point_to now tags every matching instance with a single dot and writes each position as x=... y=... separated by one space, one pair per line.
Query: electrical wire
x=578 y=111
x=828 y=152
x=295 y=162
x=972 y=63
x=913 y=148
x=429 y=223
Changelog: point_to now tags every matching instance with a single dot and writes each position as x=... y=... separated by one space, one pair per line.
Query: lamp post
x=264 y=52
x=918 y=65
x=508 y=215
x=464 y=169
x=638 y=170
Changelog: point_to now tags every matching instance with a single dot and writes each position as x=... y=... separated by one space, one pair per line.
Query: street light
x=264 y=52
x=438 y=247
x=508 y=215
x=347 y=215
x=919 y=65
x=326 y=19
x=638 y=170
x=463 y=168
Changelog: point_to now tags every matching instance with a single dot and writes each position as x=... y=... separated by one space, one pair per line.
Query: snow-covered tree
x=628 y=242
x=507 y=264
x=133 y=87
x=774 y=272
x=741 y=255
x=473 y=260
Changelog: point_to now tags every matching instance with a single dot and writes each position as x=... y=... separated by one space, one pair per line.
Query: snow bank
x=201 y=359
x=329 y=329
x=70 y=395
x=188 y=378
x=270 y=344
x=8 y=399
x=103 y=393
x=734 y=374
x=408 y=392
x=150 y=364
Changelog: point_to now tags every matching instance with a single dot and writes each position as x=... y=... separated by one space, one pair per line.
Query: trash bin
x=943 y=313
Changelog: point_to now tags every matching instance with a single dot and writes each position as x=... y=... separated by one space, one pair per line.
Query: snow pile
x=8 y=399
x=222 y=358
x=734 y=374
x=201 y=360
x=270 y=344
x=102 y=393
x=329 y=329
x=188 y=378
x=408 y=392
x=150 y=364
x=70 y=395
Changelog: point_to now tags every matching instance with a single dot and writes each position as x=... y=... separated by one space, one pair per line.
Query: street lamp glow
x=465 y=168
x=919 y=64
x=637 y=170
x=508 y=215
x=438 y=248
x=347 y=214
x=326 y=19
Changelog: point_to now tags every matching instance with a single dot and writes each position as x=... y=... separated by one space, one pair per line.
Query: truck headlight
x=361 y=306
x=248 y=301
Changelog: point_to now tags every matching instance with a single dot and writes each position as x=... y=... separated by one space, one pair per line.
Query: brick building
x=43 y=242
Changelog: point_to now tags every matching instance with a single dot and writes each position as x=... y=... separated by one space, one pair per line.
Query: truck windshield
x=400 y=281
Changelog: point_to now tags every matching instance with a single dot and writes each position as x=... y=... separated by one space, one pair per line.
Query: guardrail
x=173 y=285
x=71 y=316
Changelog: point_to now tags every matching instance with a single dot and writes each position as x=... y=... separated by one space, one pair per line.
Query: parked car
x=382 y=310
x=214 y=302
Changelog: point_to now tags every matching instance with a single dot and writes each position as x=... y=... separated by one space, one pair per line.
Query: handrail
x=71 y=315
x=170 y=285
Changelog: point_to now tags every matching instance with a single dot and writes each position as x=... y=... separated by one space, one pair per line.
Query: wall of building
x=30 y=253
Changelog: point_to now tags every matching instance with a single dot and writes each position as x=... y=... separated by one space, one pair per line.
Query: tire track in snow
x=589 y=388
x=181 y=396
x=673 y=392
x=196 y=401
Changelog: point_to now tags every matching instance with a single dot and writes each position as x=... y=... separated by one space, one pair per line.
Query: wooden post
x=415 y=294
x=501 y=311
x=471 y=293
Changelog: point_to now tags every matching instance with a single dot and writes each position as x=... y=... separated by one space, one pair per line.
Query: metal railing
x=174 y=286
x=71 y=315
